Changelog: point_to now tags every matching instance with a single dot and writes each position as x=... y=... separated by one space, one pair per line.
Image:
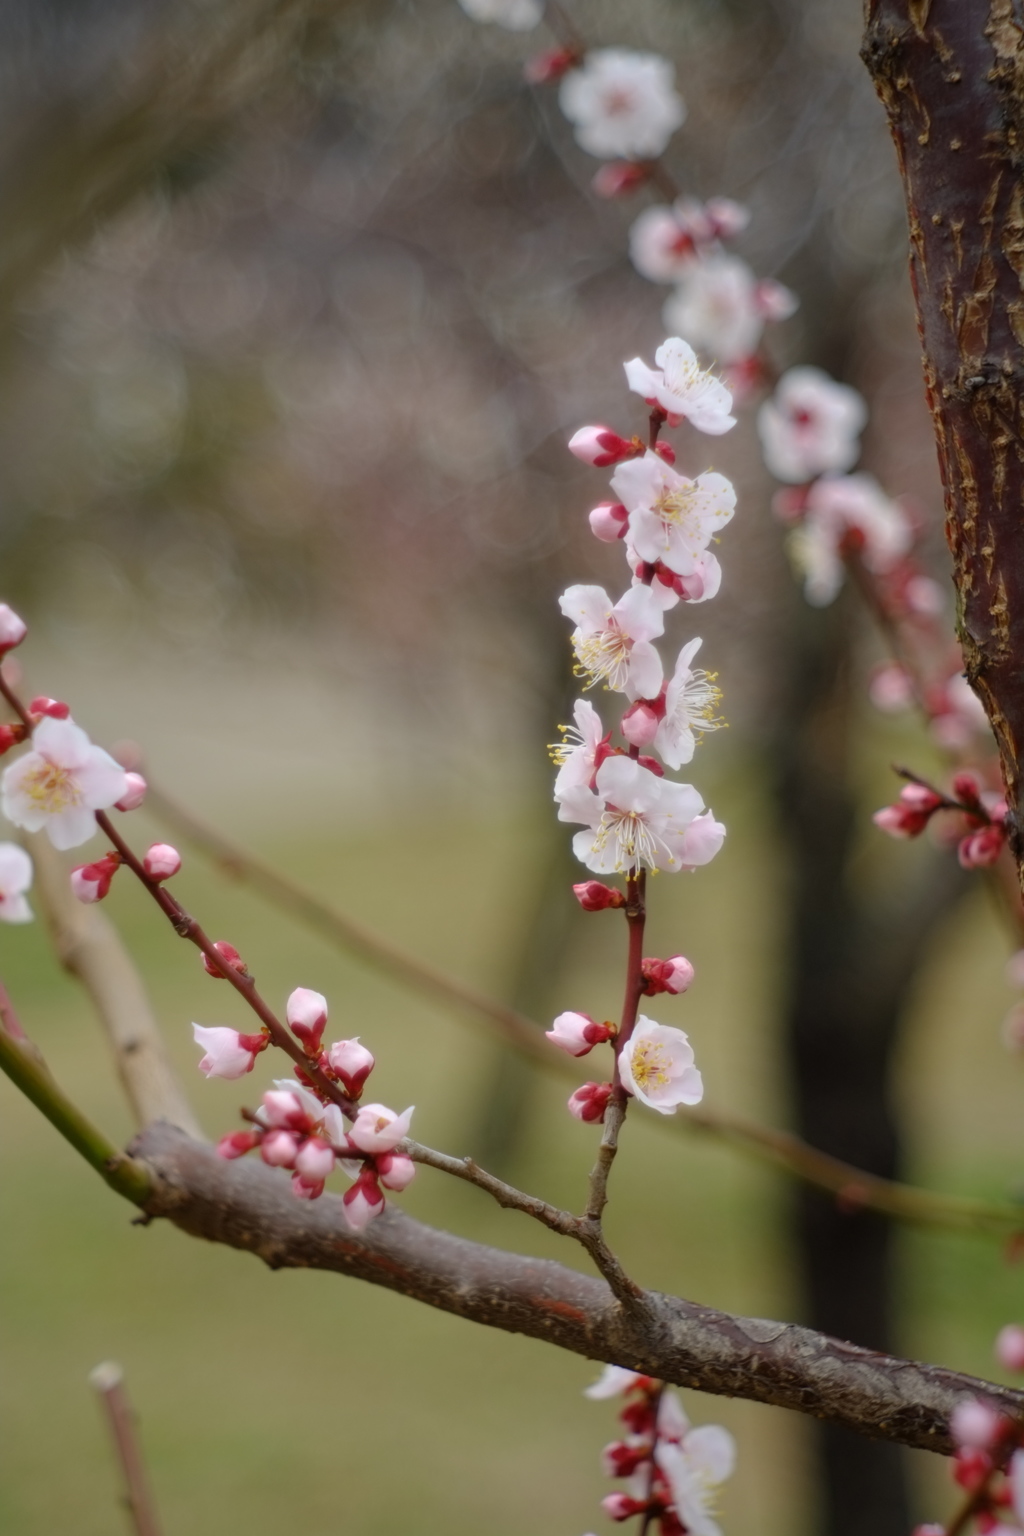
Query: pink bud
x=161 y=861
x=640 y=723
x=231 y=958
x=775 y=301
x=11 y=736
x=134 y=794
x=396 y=1171
x=600 y=446
x=315 y=1161
x=55 y=708
x=918 y=797
x=551 y=65
x=975 y=1425
x=363 y=1201
x=577 y=1033
x=966 y=789
x=673 y=975
x=91 y=882
x=590 y=1101
x=302 y=1189
x=279 y=1148
x=353 y=1064
x=595 y=897
x=1010 y=1347
x=619 y=177
x=238 y=1143
x=652 y=765
x=981 y=849
x=971 y=1467
x=665 y=451
x=619 y=1506
x=691 y=588
x=12 y=629
x=609 y=521
x=929 y=1530
x=901 y=821
x=891 y=688
x=306 y=1012
x=621 y=1460
x=227 y=1053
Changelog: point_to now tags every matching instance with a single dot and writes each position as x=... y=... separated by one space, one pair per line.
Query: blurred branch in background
x=108 y=1382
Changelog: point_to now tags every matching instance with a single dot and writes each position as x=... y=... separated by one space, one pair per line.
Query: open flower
x=612 y=1380
x=693 y=1469
x=622 y=103
x=15 y=880
x=228 y=1054
x=579 y=754
x=636 y=820
x=672 y=519
x=656 y=1066
x=612 y=641
x=846 y=513
x=720 y=307
x=377 y=1129
x=682 y=388
x=61 y=783
x=810 y=426
x=691 y=699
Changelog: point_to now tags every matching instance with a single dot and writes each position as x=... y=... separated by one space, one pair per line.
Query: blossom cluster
x=977 y=825
x=989 y=1460
x=673 y=1469
x=298 y=1128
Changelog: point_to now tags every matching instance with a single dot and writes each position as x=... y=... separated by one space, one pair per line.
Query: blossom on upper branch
x=516 y=15
x=682 y=388
x=656 y=1065
x=637 y=820
x=672 y=519
x=847 y=513
x=666 y=241
x=721 y=307
x=613 y=641
x=810 y=426
x=622 y=103
x=61 y=783
x=15 y=880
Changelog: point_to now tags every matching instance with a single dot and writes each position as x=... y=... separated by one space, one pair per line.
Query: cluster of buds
x=673 y=1469
x=92 y=882
x=655 y=1064
x=980 y=831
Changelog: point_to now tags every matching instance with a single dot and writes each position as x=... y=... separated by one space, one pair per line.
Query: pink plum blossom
x=975 y=1425
x=622 y=103
x=958 y=715
x=911 y=813
x=134 y=794
x=720 y=218
x=590 y=1101
x=720 y=307
x=674 y=975
x=672 y=519
x=230 y=957
x=891 y=688
x=601 y=446
x=15 y=880
x=640 y=723
x=228 y=1054
x=363 y=1201
x=352 y=1062
x=237 y=1143
x=656 y=1066
x=289 y=1106
x=595 y=897
x=847 y=512
x=608 y=521
x=1009 y=1348
x=613 y=641
x=811 y=426
x=60 y=784
x=395 y=1171
x=12 y=629
x=515 y=15
x=91 y=882
x=682 y=388
x=42 y=705
x=377 y=1129
x=981 y=849
x=634 y=821
x=690 y=702
x=306 y=1012
x=314 y=1161
x=279 y=1149
x=161 y=861
x=578 y=1033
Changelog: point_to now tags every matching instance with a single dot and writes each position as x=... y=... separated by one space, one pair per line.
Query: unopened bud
x=652 y=765
x=238 y=1143
x=279 y=1148
x=1010 y=1347
x=640 y=723
x=590 y=1101
x=673 y=975
x=11 y=736
x=601 y=446
x=619 y=177
x=981 y=849
x=353 y=1064
x=609 y=521
x=134 y=794
x=665 y=451
x=161 y=861
x=551 y=65
x=396 y=1171
x=230 y=957
x=306 y=1012
x=966 y=789
x=578 y=1033
x=12 y=629
x=975 y=1425
x=55 y=708
x=91 y=882
x=595 y=897
x=619 y=1506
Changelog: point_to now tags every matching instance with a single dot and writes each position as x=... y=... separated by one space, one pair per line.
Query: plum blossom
x=590 y=1101
x=228 y=1054
x=721 y=308
x=690 y=702
x=579 y=754
x=810 y=426
x=15 y=880
x=847 y=512
x=682 y=388
x=364 y=1201
x=396 y=1171
x=958 y=715
x=622 y=103
x=134 y=794
x=1009 y=1347
x=595 y=897
x=665 y=241
x=516 y=15
x=636 y=820
x=668 y=587
x=91 y=882
x=377 y=1129
x=613 y=641
x=352 y=1062
x=12 y=629
x=672 y=519
x=656 y=1066
x=693 y=1469
x=306 y=1012
x=161 y=861
x=612 y=1380
x=674 y=975
x=911 y=813
x=578 y=1033
x=601 y=446
x=975 y=1425
x=60 y=784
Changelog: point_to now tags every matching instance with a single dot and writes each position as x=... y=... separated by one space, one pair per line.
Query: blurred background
x=299 y=302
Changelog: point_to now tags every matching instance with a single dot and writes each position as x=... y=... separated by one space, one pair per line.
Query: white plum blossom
x=516 y=15
x=810 y=426
x=377 y=1129
x=622 y=103
x=636 y=820
x=682 y=388
x=656 y=1066
x=15 y=880
x=693 y=1468
x=60 y=784
x=672 y=519
x=659 y=247
x=721 y=308
x=612 y=1380
x=227 y=1053
x=702 y=839
x=12 y=629
x=613 y=640
x=576 y=754
x=690 y=702
x=839 y=506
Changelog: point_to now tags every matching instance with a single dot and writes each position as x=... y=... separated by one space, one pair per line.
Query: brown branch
x=90 y=949
x=250 y=1207
x=108 y=1382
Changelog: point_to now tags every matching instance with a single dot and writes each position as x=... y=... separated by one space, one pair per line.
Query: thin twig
x=108 y=1381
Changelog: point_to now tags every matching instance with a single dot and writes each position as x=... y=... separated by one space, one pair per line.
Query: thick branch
x=248 y=1206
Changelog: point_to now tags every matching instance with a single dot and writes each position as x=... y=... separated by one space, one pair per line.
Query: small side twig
x=108 y=1382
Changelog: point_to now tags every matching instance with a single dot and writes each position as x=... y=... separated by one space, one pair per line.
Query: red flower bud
x=595 y=897
x=231 y=958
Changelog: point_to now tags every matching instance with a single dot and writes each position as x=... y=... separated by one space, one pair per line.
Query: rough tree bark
x=950 y=74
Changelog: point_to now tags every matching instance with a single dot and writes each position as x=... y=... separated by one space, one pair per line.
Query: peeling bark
x=950 y=74
x=249 y=1206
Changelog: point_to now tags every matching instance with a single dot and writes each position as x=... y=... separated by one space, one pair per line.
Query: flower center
x=604 y=654
x=617 y=101
x=650 y=1065
x=678 y=506
x=700 y=698
x=52 y=788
